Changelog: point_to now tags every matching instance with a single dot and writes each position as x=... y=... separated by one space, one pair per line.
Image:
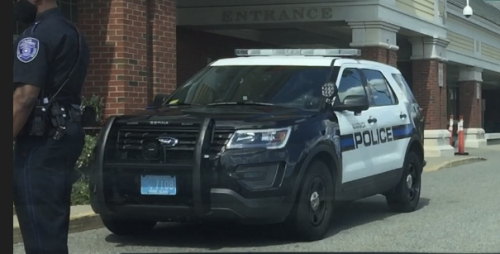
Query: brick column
x=469 y=97
x=380 y=54
x=377 y=41
x=164 y=53
x=429 y=88
x=470 y=106
x=132 y=47
x=428 y=92
x=429 y=85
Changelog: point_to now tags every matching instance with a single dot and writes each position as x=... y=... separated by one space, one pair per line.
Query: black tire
x=406 y=195
x=308 y=223
x=127 y=227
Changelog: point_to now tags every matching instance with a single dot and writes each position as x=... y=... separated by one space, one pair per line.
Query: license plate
x=158 y=185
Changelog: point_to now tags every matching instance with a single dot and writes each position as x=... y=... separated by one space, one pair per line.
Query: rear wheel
x=310 y=219
x=406 y=196
x=127 y=227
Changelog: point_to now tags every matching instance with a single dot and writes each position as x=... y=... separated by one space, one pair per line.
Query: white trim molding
x=429 y=48
x=374 y=34
x=470 y=73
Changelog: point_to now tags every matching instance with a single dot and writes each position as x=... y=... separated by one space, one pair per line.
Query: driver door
x=356 y=157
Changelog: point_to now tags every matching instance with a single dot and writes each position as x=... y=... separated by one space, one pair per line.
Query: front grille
x=141 y=144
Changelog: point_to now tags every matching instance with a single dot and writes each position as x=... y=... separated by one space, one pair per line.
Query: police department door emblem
x=27 y=49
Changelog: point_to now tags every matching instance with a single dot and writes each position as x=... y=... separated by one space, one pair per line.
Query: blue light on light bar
x=298 y=52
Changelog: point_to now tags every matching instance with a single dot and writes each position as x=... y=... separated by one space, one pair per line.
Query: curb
x=83 y=222
x=455 y=163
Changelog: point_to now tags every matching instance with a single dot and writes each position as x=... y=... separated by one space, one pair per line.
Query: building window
x=68 y=7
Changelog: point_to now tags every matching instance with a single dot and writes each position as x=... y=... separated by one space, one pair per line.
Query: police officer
x=50 y=65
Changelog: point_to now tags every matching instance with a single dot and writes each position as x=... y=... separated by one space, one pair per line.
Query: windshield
x=289 y=86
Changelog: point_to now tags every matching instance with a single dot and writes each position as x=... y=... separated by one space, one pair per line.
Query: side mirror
x=329 y=90
x=355 y=103
x=159 y=100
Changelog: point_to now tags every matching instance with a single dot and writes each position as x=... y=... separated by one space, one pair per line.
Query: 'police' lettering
x=358 y=139
x=373 y=137
x=367 y=138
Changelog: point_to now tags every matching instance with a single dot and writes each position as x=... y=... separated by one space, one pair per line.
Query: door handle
x=402 y=116
x=372 y=120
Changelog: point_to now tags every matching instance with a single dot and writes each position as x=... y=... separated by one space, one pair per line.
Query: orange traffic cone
x=461 y=138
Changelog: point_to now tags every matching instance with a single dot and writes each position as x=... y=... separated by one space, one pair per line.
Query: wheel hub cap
x=409 y=181
x=314 y=201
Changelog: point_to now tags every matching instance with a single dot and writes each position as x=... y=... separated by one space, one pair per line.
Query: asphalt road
x=460 y=212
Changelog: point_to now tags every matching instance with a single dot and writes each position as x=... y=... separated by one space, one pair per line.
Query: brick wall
x=429 y=95
x=470 y=107
x=196 y=48
x=164 y=53
x=380 y=55
x=121 y=51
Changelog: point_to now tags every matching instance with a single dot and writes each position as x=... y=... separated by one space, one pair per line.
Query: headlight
x=267 y=138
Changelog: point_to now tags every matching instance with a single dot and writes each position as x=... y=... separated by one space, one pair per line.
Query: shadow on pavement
x=363 y=212
x=215 y=236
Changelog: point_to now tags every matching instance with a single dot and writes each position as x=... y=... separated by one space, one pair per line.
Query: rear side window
x=404 y=87
x=380 y=92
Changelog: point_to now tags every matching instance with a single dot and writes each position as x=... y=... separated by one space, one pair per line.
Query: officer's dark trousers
x=43 y=170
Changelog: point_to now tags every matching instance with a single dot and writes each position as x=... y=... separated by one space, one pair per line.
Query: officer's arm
x=30 y=70
x=24 y=100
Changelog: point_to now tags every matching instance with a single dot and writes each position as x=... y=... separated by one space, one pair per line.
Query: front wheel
x=406 y=195
x=310 y=219
x=127 y=227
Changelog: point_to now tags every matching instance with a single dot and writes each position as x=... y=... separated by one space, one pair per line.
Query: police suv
x=271 y=136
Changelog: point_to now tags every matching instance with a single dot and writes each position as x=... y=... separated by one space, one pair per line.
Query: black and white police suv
x=271 y=136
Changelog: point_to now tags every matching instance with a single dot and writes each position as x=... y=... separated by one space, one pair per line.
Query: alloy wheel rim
x=317 y=201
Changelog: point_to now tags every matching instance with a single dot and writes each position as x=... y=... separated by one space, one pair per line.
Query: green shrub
x=80 y=193
x=97 y=103
x=87 y=153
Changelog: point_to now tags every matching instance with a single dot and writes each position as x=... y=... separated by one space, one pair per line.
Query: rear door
x=393 y=128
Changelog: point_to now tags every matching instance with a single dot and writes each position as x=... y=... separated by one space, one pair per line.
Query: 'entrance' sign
x=283 y=15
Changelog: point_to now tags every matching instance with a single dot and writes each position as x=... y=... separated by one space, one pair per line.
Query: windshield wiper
x=241 y=103
x=179 y=104
x=170 y=105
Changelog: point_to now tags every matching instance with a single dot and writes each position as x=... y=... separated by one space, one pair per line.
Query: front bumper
x=225 y=205
x=204 y=191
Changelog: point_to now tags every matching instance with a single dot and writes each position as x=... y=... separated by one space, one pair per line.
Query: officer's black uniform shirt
x=46 y=52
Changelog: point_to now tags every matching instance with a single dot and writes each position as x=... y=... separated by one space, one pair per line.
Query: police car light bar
x=298 y=52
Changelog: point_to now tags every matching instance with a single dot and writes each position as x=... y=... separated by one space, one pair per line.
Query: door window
x=350 y=84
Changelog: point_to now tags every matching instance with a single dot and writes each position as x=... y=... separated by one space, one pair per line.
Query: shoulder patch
x=27 y=49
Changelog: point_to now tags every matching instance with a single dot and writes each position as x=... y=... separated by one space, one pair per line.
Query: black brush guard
x=201 y=179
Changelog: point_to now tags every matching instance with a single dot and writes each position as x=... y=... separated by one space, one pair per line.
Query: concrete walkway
x=475 y=155
x=83 y=218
